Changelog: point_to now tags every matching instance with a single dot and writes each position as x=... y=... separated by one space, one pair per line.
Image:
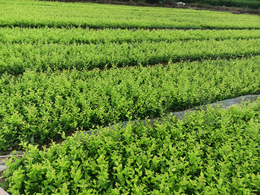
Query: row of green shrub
x=87 y=36
x=252 y=4
x=16 y=58
x=208 y=152
x=37 y=107
x=30 y=13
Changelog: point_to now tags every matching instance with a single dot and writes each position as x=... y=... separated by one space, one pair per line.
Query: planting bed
x=212 y=151
x=66 y=68
x=37 y=107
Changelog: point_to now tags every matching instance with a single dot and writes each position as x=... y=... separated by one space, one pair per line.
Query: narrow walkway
x=179 y=115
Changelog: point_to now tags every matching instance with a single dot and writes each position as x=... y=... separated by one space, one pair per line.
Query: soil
x=2 y=180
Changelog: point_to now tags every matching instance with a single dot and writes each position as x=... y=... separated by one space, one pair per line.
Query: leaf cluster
x=16 y=58
x=208 y=152
x=37 y=107
x=30 y=13
x=87 y=36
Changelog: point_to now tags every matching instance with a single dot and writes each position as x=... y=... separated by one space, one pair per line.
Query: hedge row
x=30 y=13
x=37 y=107
x=17 y=58
x=209 y=152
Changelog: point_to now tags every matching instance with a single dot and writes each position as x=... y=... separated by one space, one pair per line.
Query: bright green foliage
x=30 y=13
x=209 y=152
x=87 y=36
x=47 y=90
x=40 y=106
x=252 y=4
x=16 y=58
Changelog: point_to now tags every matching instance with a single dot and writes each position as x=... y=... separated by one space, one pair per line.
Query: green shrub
x=209 y=152
x=16 y=58
x=160 y=3
x=31 y=13
x=37 y=107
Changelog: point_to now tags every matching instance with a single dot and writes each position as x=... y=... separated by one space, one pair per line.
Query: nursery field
x=40 y=106
x=72 y=67
x=30 y=13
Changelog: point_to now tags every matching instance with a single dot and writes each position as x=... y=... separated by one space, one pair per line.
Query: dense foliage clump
x=67 y=67
x=209 y=152
x=30 y=13
x=40 y=106
x=251 y=4
x=40 y=57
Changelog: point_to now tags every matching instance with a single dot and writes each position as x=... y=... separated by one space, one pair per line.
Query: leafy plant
x=35 y=14
x=211 y=151
x=16 y=58
x=37 y=107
